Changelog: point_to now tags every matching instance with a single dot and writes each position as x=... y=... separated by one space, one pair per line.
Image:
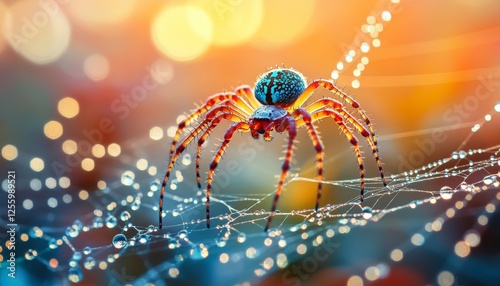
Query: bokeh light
x=37 y=164
x=53 y=129
x=9 y=152
x=68 y=107
x=3 y=11
x=94 y=13
x=234 y=22
x=38 y=31
x=284 y=22
x=96 y=67
x=182 y=33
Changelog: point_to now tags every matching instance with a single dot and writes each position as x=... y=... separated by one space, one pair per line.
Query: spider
x=275 y=104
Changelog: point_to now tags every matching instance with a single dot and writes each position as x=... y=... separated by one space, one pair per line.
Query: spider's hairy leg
x=178 y=151
x=318 y=146
x=228 y=116
x=211 y=101
x=326 y=102
x=241 y=126
x=288 y=123
x=327 y=84
x=246 y=92
x=175 y=152
x=340 y=122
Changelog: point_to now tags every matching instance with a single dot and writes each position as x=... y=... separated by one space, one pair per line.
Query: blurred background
x=88 y=87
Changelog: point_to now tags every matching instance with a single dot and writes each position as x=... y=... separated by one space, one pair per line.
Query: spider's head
x=280 y=87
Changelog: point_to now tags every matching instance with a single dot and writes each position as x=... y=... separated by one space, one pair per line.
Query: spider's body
x=277 y=106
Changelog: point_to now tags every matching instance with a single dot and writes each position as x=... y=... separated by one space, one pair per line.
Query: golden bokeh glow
x=3 y=11
x=37 y=164
x=114 y=149
x=182 y=33
x=69 y=147
x=39 y=34
x=96 y=12
x=53 y=129
x=68 y=107
x=9 y=152
x=284 y=22
x=88 y=164
x=96 y=67
x=98 y=151
x=234 y=22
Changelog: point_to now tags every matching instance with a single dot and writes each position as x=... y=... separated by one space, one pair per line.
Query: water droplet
x=186 y=159
x=97 y=222
x=89 y=263
x=30 y=254
x=155 y=185
x=111 y=221
x=125 y=215
x=462 y=154
x=220 y=242
x=151 y=228
x=75 y=274
x=77 y=255
x=182 y=234
x=87 y=250
x=53 y=243
x=72 y=232
x=128 y=178
x=136 y=205
x=446 y=192
x=120 y=241
x=199 y=252
x=490 y=179
x=241 y=237
x=142 y=238
x=454 y=155
x=367 y=212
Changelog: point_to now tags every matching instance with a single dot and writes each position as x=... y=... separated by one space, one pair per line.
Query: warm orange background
x=429 y=72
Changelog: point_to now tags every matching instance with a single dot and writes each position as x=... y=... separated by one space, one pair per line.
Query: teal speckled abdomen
x=280 y=87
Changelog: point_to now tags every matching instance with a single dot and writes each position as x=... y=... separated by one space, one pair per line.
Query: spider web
x=118 y=232
x=435 y=223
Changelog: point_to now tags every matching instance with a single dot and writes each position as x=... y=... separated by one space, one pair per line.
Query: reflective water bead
x=182 y=234
x=72 y=232
x=89 y=263
x=87 y=250
x=142 y=238
x=128 y=178
x=111 y=221
x=186 y=159
x=462 y=154
x=30 y=254
x=120 y=241
x=53 y=243
x=155 y=185
x=446 y=192
x=490 y=179
x=77 y=255
x=199 y=252
x=454 y=155
x=75 y=274
x=367 y=212
x=125 y=215
x=97 y=222
x=241 y=237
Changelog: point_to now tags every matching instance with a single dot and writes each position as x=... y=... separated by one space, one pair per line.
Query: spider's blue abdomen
x=279 y=87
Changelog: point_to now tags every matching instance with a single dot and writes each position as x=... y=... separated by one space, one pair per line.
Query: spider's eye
x=280 y=87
